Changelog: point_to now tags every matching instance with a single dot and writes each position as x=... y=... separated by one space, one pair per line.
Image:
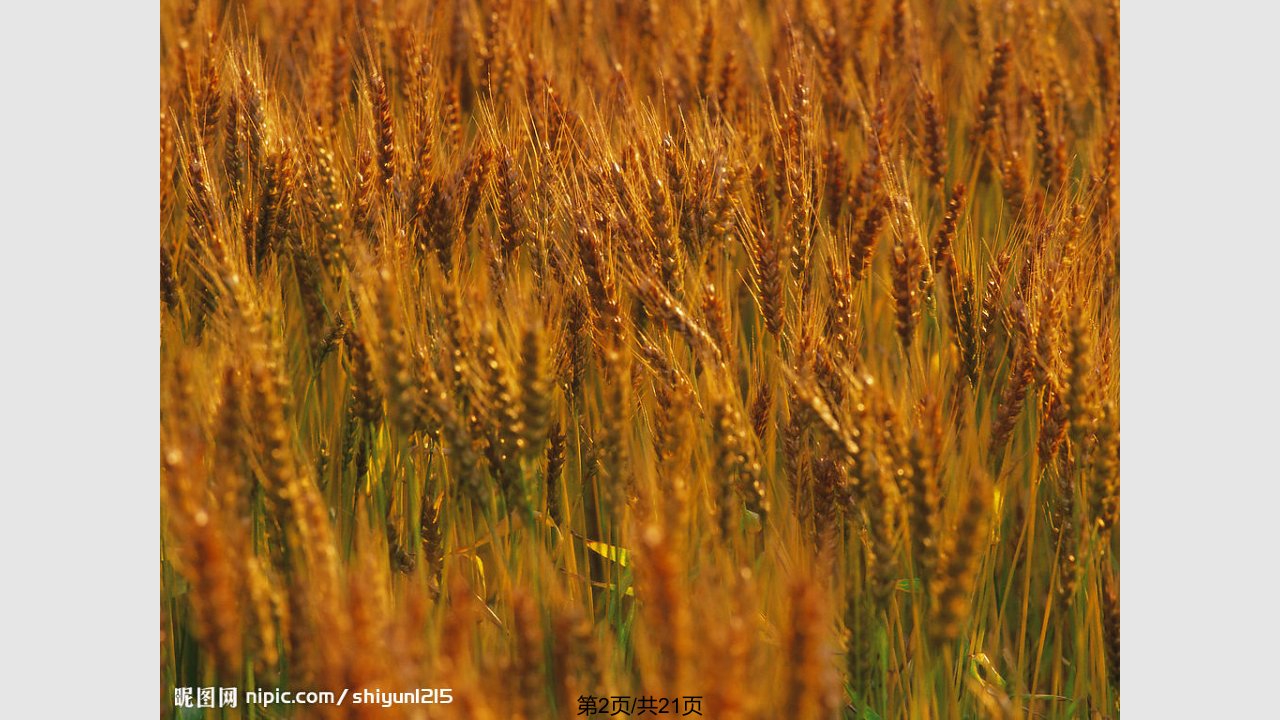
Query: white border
x=79 y=442
x=1201 y=250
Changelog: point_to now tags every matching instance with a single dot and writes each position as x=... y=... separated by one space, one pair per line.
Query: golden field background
x=759 y=351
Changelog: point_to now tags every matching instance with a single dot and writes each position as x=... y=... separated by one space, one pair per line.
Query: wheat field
x=759 y=353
